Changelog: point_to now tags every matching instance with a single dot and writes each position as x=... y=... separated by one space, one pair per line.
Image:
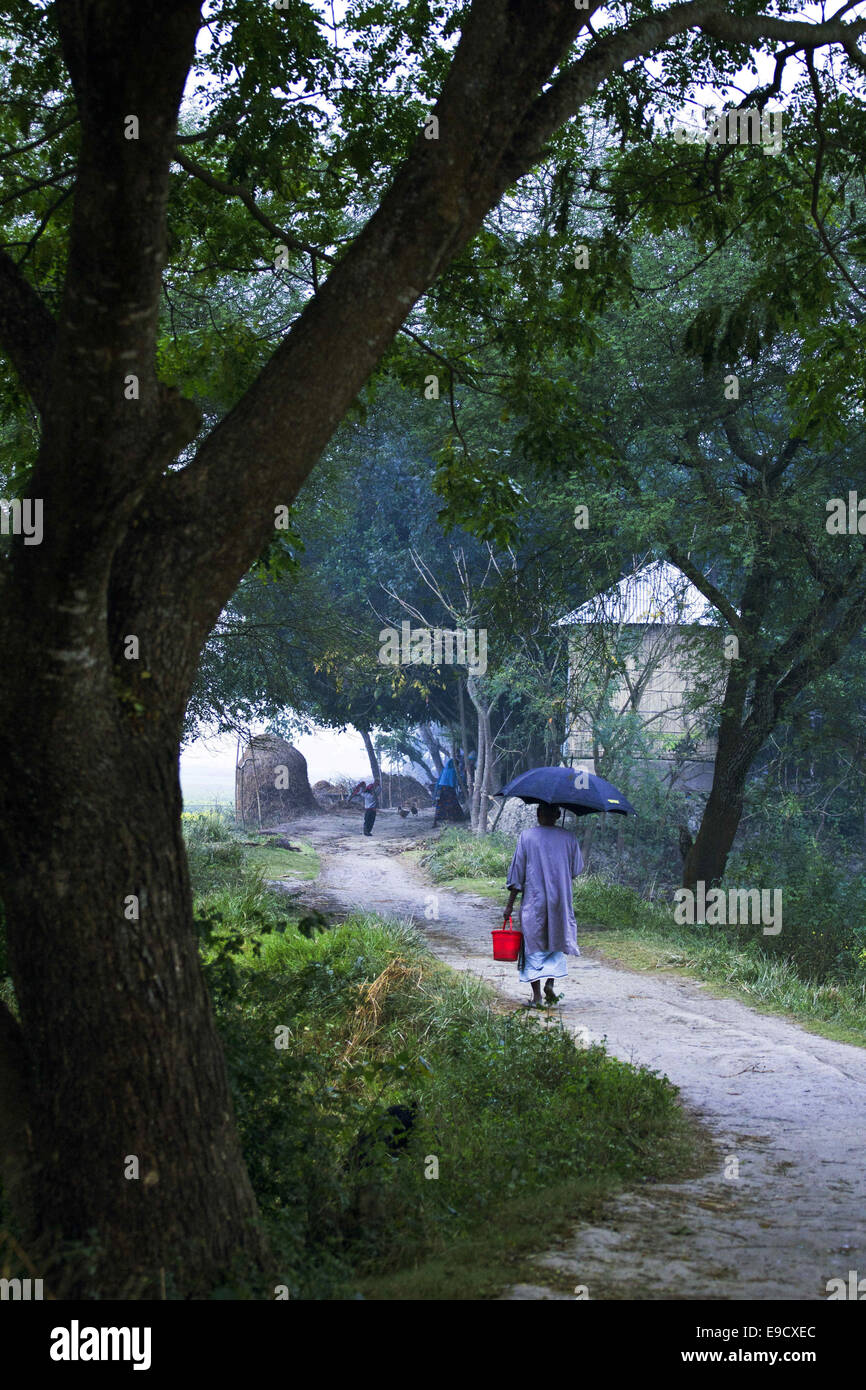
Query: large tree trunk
x=708 y=855
x=133 y=1147
x=737 y=745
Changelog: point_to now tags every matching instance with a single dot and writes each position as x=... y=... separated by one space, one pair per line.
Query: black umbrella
x=578 y=791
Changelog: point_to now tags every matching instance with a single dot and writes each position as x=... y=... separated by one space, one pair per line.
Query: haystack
x=271 y=782
x=400 y=790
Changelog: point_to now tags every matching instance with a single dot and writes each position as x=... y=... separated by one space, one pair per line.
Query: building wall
x=664 y=651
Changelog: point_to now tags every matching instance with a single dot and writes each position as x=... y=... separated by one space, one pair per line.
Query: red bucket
x=506 y=943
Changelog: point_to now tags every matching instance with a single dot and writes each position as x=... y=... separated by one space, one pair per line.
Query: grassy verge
x=276 y=863
x=618 y=923
x=516 y=1129
x=229 y=877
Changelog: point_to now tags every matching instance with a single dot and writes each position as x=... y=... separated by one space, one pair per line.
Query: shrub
x=459 y=854
x=823 y=903
x=214 y=853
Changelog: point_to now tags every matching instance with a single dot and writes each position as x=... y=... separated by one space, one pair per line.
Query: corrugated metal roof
x=656 y=593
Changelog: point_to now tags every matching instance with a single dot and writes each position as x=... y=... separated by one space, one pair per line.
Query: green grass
x=220 y=858
x=276 y=863
x=521 y=1121
x=615 y=921
x=645 y=936
x=213 y=805
x=459 y=855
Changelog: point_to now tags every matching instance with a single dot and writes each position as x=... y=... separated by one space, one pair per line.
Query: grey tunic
x=545 y=861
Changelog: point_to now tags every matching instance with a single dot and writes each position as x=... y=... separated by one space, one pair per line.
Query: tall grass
x=459 y=854
x=214 y=853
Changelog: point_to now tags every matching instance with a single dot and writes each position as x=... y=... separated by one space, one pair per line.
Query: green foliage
x=823 y=902
x=459 y=854
x=644 y=936
x=478 y=496
x=213 y=853
x=507 y=1106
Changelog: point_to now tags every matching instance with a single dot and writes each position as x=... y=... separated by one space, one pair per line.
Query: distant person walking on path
x=546 y=859
x=447 y=804
x=371 y=803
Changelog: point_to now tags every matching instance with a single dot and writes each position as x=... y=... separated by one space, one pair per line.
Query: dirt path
x=787 y=1109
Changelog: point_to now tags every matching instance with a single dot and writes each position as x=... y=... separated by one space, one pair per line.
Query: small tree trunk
x=256 y=785
x=706 y=859
x=708 y=856
x=484 y=768
x=432 y=746
x=464 y=742
x=736 y=749
x=371 y=754
x=239 y=785
x=481 y=792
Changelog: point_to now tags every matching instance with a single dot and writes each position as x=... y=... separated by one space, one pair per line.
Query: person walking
x=371 y=804
x=546 y=859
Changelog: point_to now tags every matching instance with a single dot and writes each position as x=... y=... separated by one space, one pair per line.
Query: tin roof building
x=645 y=672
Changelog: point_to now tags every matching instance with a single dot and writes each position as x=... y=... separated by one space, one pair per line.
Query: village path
x=788 y=1106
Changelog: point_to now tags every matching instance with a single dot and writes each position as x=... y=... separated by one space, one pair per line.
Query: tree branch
x=709 y=590
x=235 y=190
x=573 y=87
x=27 y=331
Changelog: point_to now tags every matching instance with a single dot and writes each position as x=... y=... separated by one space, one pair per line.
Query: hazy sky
x=207 y=767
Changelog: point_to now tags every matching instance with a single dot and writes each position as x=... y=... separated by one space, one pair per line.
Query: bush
x=214 y=853
x=823 y=903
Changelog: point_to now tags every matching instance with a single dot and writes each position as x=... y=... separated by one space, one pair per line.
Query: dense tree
x=714 y=406
x=713 y=467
